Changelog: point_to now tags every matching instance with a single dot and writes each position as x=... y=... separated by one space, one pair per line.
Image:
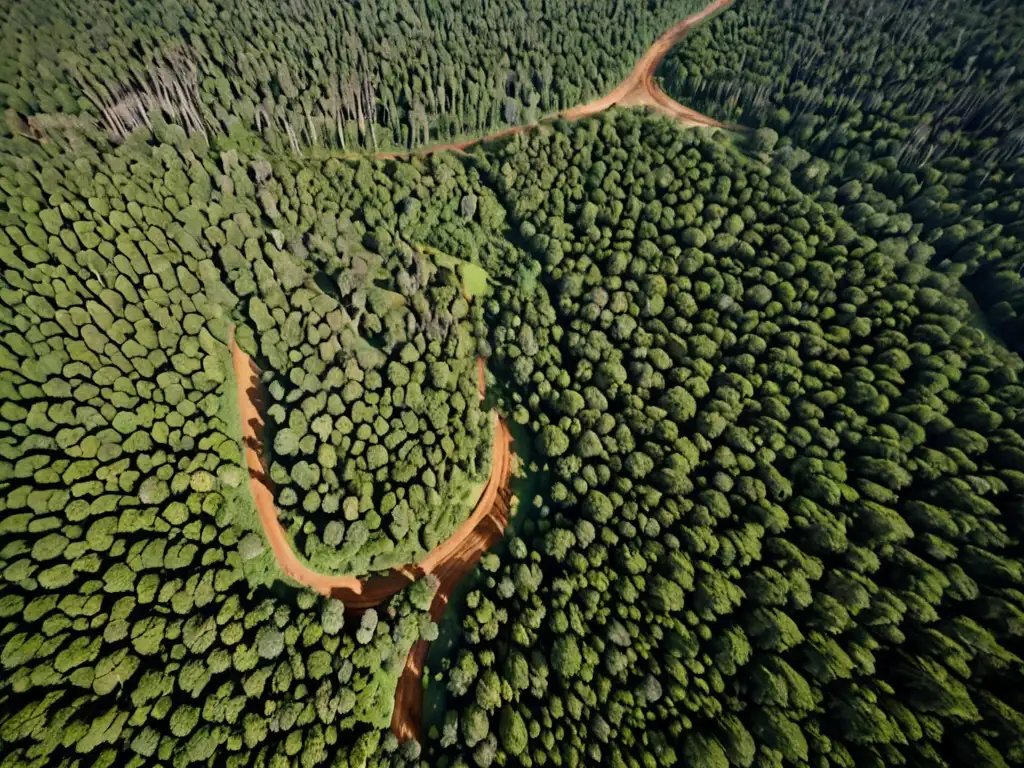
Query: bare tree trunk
x=371 y=108
x=292 y=139
x=359 y=110
x=312 y=129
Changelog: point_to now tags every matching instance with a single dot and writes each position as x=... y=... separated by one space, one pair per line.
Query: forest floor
x=639 y=89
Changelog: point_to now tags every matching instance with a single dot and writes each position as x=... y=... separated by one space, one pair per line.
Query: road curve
x=638 y=90
x=356 y=594
x=407 y=716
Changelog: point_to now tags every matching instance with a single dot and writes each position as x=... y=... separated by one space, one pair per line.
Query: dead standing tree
x=333 y=105
x=170 y=84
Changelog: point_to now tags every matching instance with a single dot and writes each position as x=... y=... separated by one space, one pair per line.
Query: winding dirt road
x=358 y=595
x=449 y=562
x=486 y=531
x=639 y=89
x=452 y=560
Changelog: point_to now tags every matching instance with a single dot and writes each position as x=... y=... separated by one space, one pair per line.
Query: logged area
x=267 y=332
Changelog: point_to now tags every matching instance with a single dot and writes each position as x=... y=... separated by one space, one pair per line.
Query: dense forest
x=316 y=73
x=785 y=480
x=919 y=101
x=766 y=384
x=369 y=356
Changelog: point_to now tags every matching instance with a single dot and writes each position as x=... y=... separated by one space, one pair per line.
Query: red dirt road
x=449 y=562
x=453 y=559
x=637 y=90
x=358 y=595
x=485 y=532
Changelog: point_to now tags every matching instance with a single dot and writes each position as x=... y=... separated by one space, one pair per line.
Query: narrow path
x=638 y=90
x=407 y=716
x=357 y=594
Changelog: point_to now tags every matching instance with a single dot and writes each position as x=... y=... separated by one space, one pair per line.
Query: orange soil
x=489 y=521
x=637 y=90
x=357 y=594
x=449 y=562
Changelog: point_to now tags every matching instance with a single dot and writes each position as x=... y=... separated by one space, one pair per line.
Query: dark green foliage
x=782 y=501
x=316 y=75
x=915 y=114
x=777 y=499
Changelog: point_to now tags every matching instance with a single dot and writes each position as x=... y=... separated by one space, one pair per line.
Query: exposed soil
x=638 y=90
x=483 y=530
x=449 y=562
x=357 y=594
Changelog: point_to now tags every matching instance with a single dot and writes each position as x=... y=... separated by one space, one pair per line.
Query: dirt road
x=357 y=594
x=638 y=90
x=486 y=531
x=449 y=562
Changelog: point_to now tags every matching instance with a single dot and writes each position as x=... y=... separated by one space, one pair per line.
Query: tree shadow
x=256 y=441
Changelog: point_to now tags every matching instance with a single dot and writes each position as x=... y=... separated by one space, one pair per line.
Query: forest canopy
x=764 y=383
x=919 y=102
x=320 y=74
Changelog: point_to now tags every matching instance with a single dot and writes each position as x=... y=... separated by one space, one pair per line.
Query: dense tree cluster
x=376 y=433
x=917 y=101
x=369 y=355
x=141 y=619
x=319 y=74
x=785 y=487
x=779 y=466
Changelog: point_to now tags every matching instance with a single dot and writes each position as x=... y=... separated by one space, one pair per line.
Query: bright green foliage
x=139 y=624
x=370 y=363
